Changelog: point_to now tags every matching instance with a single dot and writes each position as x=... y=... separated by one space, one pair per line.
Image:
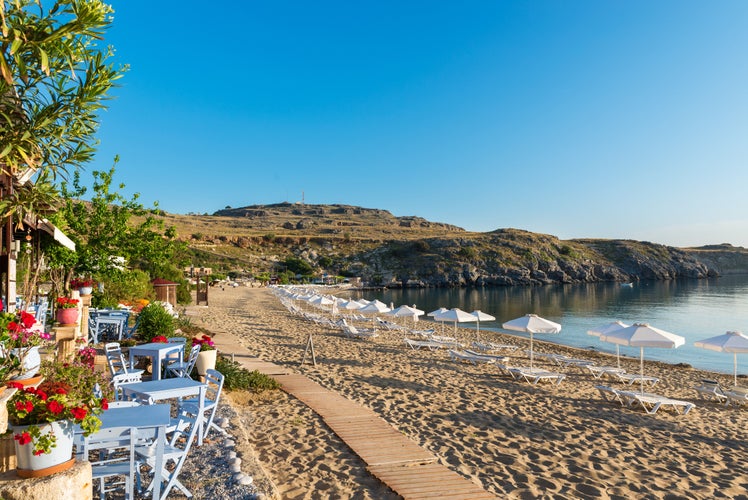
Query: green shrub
x=238 y=378
x=154 y=321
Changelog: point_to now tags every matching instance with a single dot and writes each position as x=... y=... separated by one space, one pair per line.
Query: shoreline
x=514 y=439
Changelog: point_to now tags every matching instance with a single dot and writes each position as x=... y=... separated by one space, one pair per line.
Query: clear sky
x=609 y=119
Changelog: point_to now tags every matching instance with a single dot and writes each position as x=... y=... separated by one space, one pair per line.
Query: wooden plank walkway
x=398 y=462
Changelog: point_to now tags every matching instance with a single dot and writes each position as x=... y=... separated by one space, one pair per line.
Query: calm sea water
x=694 y=309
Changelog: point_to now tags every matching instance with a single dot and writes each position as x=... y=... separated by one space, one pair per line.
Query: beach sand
x=514 y=439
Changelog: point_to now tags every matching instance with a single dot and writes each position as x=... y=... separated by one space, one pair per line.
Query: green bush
x=154 y=321
x=123 y=286
x=238 y=378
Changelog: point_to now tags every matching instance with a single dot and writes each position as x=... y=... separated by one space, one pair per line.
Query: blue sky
x=579 y=119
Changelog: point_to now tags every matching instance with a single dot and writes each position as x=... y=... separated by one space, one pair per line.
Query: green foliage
x=298 y=266
x=238 y=378
x=155 y=321
x=54 y=78
x=467 y=252
x=324 y=262
x=269 y=237
x=123 y=286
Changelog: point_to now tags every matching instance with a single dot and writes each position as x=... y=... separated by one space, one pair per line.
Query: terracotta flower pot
x=67 y=317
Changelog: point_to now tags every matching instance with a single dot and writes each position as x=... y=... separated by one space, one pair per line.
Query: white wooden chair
x=214 y=379
x=112 y=454
x=183 y=368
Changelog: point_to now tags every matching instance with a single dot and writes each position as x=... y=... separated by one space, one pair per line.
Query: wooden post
x=309 y=347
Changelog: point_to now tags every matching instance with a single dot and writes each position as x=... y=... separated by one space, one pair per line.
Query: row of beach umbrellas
x=639 y=335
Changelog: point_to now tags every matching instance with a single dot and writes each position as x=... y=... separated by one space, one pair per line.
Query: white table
x=157 y=351
x=170 y=388
x=153 y=418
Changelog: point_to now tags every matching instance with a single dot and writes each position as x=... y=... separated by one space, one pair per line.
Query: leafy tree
x=54 y=79
x=298 y=266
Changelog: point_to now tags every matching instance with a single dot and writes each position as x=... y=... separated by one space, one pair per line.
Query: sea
x=694 y=309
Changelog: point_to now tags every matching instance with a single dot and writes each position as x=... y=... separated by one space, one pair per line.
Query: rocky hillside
x=410 y=251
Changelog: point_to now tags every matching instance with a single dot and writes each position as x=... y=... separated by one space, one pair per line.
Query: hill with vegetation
x=382 y=249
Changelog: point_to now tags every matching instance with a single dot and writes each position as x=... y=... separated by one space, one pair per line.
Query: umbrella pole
x=735 y=368
x=477 y=332
x=530 y=350
x=618 y=355
x=641 y=367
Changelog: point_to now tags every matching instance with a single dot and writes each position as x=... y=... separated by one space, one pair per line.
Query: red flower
x=61 y=390
x=55 y=407
x=27 y=319
x=42 y=395
x=160 y=338
x=14 y=327
x=14 y=385
x=38 y=452
x=79 y=413
x=20 y=406
x=104 y=404
x=23 y=438
x=29 y=406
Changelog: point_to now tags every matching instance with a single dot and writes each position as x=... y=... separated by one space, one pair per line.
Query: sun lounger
x=610 y=394
x=535 y=375
x=630 y=378
x=490 y=346
x=653 y=402
x=359 y=333
x=737 y=396
x=423 y=334
x=470 y=358
x=496 y=359
x=389 y=325
x=579 y=363
x=599 y=371
x=423 y=344
x=711 y=389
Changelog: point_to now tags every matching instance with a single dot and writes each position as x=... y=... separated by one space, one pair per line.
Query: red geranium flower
x=23 y=438
x=104 y=404
x=14 y=385
x=79 y=413
x=55 y=407
x=27 y=319
x=14 y=327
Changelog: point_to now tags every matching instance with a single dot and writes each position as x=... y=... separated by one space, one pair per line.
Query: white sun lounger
x=497 y=359
x=737 y=396
x=356 y=333
x=423 y=344
x=535 y=375
x=490 y=346
x=630 y=378
x=610 y=394
x=467 y=357
x=710 y=389
x=653 y=402
x=599 y=371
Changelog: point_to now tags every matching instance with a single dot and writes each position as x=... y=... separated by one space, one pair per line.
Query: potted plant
x=20 y=339
x=43 y=418
x=67 y=311
x=206 y=360
x=83 y=285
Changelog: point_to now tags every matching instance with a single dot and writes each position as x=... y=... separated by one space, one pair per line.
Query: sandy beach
x=514 y=439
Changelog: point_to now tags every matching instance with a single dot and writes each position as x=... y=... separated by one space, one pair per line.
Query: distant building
x=193 y=271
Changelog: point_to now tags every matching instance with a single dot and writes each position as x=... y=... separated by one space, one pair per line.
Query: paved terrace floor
x=409 y=470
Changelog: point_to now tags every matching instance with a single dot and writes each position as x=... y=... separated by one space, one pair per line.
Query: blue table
x=157 y=351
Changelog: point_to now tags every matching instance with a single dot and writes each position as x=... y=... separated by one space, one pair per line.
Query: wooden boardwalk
x=398 y=462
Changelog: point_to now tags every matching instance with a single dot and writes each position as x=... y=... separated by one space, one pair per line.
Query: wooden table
x=157 y=351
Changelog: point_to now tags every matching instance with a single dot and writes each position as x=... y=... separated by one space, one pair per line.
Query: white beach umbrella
x=351 y=305
x=321 y=300
x=734 y=342
x=455 y=315
x=606 y=329
x=532 y=323
x=375 y=307
x=481 y=316
x=437 y=312
x=642 y=335
x=405 y=311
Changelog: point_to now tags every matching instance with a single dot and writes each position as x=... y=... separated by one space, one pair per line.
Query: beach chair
x=356 y=333
x=214 y=379
x=467 y=357
x=653 y=402
x=535 y=375
x=111 y=453
x=490 y=346
x=422 y=344
x=737 y=396
x=116 y=360
x=710 y=389
x=609 y=371
x=124 y=378
x=495 y=358
x=183 y=368
x=630 y=378
x=610 y=394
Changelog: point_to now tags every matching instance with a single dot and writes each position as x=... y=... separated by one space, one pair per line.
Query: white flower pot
x=85 y=290
x=30 y=465
x=206 y=360
x=31 y=362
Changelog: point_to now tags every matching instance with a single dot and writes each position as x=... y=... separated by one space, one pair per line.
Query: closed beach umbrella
x=532 y=323
x=733 y=342
x=606 y=329
x=481 y=316
x=455 y=315
x=642 y=335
